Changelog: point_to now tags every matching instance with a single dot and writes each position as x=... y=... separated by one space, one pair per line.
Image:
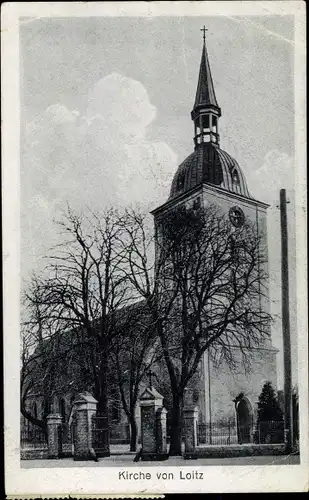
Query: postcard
x=154 y=216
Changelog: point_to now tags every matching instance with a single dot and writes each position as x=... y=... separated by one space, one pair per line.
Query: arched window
x=205 y=123
x=197 y=127
x=235 y=181
x=214 y=124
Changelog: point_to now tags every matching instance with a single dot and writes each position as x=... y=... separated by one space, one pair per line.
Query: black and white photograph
x=154 y=247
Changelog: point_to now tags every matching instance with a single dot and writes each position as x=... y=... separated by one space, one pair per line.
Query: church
x=210 y=176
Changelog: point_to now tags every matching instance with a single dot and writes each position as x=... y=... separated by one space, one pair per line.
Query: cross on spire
x=205 y=94
x=204 y=29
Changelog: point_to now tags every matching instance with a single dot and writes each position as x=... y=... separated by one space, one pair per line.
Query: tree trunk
x=102 y=423
x=133 y=435
x=176 y=421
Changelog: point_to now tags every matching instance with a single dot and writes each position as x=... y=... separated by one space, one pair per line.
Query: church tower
x=210 y=176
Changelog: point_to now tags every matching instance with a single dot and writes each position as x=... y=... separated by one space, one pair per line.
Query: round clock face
x=237 y=217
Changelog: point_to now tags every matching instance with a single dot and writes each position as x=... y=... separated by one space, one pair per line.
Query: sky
x=105 y=119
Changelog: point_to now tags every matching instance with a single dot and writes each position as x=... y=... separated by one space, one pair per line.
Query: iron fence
x=270 y=432
x=120 y=434
x=33 y=437
x=216 y=434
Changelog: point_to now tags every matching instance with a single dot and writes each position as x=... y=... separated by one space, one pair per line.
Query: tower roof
x=205 y=93
x=210 y=165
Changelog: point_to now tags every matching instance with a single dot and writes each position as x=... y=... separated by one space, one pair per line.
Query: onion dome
x=208 y=163
x=211 y=165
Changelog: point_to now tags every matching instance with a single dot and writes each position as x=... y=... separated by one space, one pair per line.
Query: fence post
x=254 y=433
x=152 y=434
x=190 y=415
x=161 y=430
x=54 y=422
x=85 y=407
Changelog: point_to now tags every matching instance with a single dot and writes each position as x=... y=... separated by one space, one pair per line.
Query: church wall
x=226 y=384
x=256 y=213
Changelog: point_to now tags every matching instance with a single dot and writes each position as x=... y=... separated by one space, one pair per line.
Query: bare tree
x=134 y=352
x=205 y=294
x=200 y=291
x=44 y=352
x=85 y=290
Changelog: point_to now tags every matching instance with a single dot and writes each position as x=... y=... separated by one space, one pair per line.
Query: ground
x=127 y=461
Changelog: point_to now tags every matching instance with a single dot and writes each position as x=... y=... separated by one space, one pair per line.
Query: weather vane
x=204 y=29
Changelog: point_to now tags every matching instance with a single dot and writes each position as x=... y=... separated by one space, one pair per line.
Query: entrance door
x=244 y=419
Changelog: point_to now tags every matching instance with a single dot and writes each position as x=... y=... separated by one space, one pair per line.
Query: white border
x=102 y=480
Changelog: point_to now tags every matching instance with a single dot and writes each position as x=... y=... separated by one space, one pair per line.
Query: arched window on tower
x=214 y=124
x=197 y=127
x=214 y=128
x=206 y=128
x=205 y=123
x=235 y=181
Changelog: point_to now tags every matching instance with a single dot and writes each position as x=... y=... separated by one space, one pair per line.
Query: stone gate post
x=190 y=419
x=85 y=406
x=161 y=430
x=54 y=434
x=153 y=425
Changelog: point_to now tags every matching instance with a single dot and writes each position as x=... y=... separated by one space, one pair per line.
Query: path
x=127 y=461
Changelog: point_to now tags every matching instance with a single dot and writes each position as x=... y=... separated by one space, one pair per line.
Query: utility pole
x=288 y=417
x=209 y=398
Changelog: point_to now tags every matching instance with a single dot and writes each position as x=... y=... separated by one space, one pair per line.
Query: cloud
x=276 y=172
x=123 y=104
x=95 y=160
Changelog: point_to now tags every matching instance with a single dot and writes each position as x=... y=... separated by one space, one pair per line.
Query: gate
x=120 y=434
x=60 y=431
x=244 y=434
x=100 y=435
x=73 y=433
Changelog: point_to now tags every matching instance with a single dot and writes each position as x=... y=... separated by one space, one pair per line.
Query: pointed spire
x=205 y=93
x=206 y=111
